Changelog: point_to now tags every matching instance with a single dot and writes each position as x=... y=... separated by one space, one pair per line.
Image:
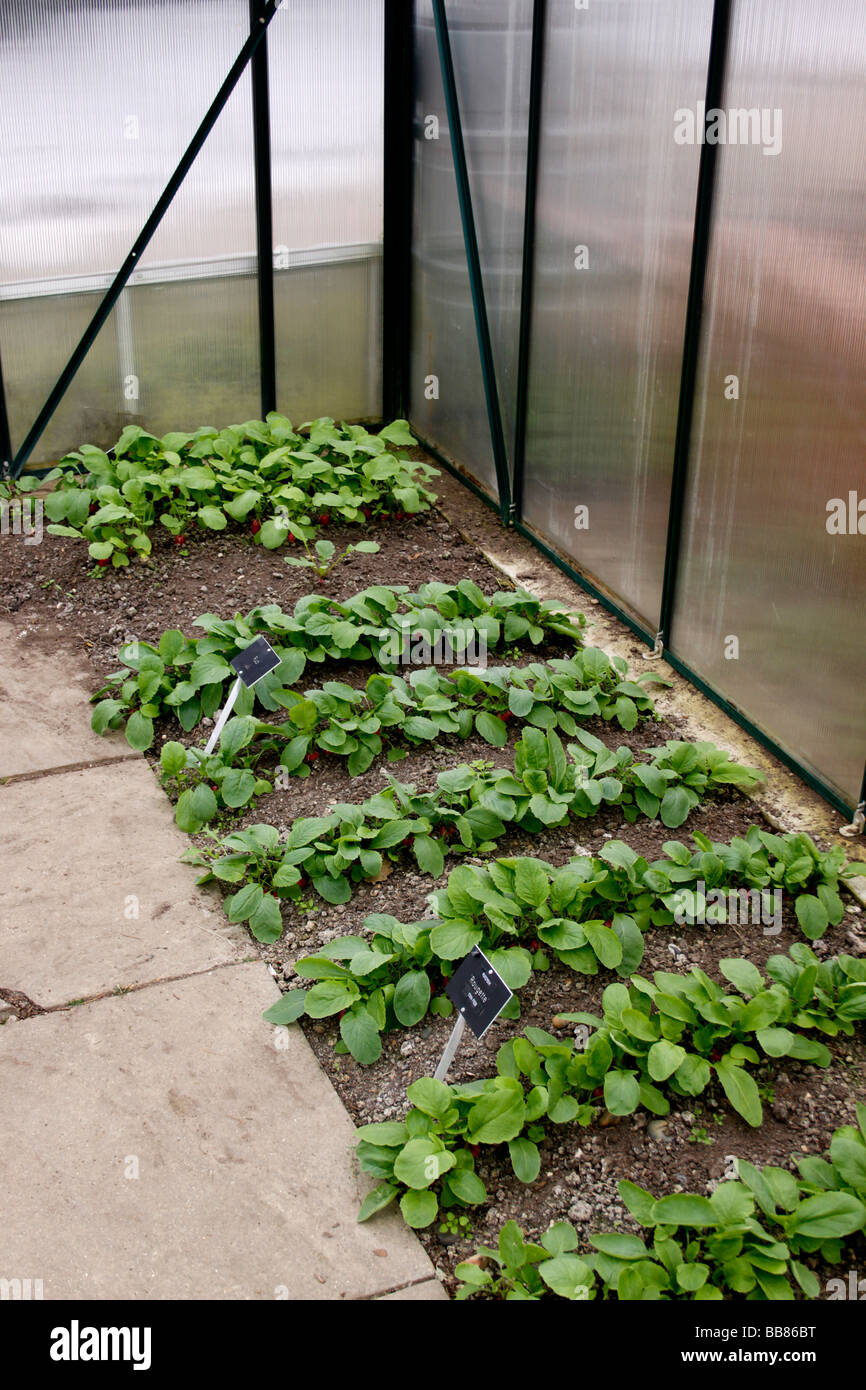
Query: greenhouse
x=433 y=639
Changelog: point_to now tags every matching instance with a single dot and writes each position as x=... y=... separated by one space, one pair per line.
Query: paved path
x=157 y=1138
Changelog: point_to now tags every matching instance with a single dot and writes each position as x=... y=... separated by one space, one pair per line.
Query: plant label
x=255 y=661
x=478 y=992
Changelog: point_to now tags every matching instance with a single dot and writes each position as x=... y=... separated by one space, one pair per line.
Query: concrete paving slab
x=93 y=895
x=45 y=710
x=246 y=1183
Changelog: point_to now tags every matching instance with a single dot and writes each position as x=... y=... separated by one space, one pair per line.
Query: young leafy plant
x=323 y=558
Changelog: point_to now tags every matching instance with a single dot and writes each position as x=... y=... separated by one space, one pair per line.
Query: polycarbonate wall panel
x=608 y=321
x=101 y=97
x=491 y=46
x=326 y=91
x=770 y=605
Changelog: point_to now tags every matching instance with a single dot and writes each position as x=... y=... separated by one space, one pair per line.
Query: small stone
x=780 y=1111
x=407 y=1047
x=380 y=1252
x=658 y=1132
x=580 y=1211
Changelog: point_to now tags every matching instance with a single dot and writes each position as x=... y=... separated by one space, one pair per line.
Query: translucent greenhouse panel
x=115 y=92
x=616 y=203
x=770 y=595
x=326 y=92
x=491 y=46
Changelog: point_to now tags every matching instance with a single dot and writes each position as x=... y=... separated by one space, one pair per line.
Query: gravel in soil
x=49 y=592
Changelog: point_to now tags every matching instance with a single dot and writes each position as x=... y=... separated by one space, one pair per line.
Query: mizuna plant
x=696 y=1031
x=262 y=473
x=469 y=810
x=745 y=1239
x=189 y=677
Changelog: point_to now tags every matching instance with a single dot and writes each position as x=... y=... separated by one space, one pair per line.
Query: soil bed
x=48 y=591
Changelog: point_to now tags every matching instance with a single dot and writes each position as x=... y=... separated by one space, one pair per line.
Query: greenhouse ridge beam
x=397 y=199
x=264 y=210
x=524 y=335
x=473 y=261
x=90 y=334
x=694 y=314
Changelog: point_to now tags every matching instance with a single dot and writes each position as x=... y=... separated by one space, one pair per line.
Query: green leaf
x=692 y=1277
x=684 y=1209
x=139 y=731
x=194 y=808
x=173 y=758
x=620 y=1247
x=525 y=1159
x=236 y=788
x=411 y=997
x=812 y=915
x=287 y=1009
x=604 y=942
x=497 y=1116
x=741 y=1090
x=331 y=997
x=420 y=1162
x=531 y=883
x=466 y=1185
x=266 y=923
x=491 y=729
x=380 y=1197
x=428 y=855
x=333 y=890
x=664 y=1058
x=848 y=1152
x=433 y=1097
x=453 y=940
x=675 y=807
x=827 y=1215
x=568 y=1276
x=621 y=1093
x=213 y=518
x=559 y=1238
x=419 y=1209
x=745 y=976
x=361 y=1035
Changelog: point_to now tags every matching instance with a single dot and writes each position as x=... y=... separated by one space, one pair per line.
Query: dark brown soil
x=49 y=590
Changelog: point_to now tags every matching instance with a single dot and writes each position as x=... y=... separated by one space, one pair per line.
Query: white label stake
x=450 y=1048
x=224 y=714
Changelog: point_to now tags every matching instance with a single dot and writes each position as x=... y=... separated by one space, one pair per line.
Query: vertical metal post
x=857 y=824
x=533 y=140
x=264 y=211
x=473 y=261
x=397 y=195
x=694 y=314
x=5 y=433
